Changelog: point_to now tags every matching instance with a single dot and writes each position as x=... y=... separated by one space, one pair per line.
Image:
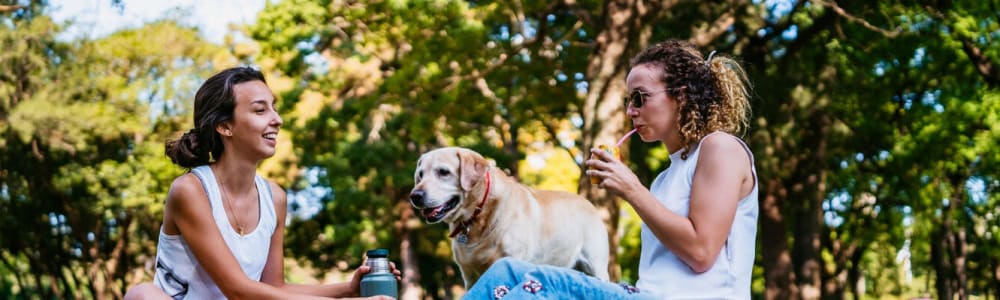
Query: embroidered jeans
x=510 y=278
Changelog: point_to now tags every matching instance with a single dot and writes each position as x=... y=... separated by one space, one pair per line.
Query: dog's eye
x=420 y=175
x=443 y=172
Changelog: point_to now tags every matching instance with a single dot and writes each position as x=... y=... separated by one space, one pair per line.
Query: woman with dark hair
x=223 y=225
x=699 y=216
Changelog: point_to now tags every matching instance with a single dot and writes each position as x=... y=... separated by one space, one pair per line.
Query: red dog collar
x=464 y=225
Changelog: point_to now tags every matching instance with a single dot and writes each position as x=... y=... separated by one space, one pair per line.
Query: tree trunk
x=626 y=30
x=948 y=250
x=812 y=188
x=411 y=289
x=854 y=273
x=961 y=274
x=510 y=145
x=942 y=265
x=836 y=282
x=779 y=271
x=958 y=248
x=113 y=268
x=807 y=252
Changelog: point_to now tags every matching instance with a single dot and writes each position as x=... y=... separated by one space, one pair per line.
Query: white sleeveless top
x=180 y=275
x=665 y=275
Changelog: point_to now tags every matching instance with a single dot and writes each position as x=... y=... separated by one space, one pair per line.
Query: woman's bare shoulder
x=185 y=185
x=722 y=144
x=277 y=193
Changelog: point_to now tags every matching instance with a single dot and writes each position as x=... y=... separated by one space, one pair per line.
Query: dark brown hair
x=213 y=104
x=712 y=94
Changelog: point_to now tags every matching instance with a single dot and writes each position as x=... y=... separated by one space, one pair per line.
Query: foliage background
x=874 y=132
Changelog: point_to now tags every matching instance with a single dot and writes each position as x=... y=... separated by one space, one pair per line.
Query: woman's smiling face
x=255 y=124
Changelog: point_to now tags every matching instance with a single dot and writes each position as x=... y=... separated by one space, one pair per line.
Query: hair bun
x=184 y=150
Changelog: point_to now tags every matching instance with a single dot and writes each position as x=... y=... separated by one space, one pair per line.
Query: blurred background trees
x=874 y=133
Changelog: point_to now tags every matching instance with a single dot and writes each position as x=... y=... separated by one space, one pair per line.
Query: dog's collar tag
x=463 y=236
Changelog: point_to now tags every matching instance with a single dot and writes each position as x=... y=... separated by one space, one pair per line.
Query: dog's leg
x=596 y=265
x=467 y=277
x=595 y=253
x=583 y=265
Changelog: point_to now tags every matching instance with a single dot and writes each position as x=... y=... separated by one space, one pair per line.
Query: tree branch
x=979 y=59
x=701 y=37
x=982 y=63
x=843 y=13
x=581 y=13
x=10 y=8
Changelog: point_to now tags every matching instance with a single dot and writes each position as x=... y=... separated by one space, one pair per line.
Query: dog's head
x=442 y=180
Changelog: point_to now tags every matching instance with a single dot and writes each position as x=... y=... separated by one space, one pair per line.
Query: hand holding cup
x=613 y=151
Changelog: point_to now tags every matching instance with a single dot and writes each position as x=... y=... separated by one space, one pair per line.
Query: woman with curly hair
x=699 y=216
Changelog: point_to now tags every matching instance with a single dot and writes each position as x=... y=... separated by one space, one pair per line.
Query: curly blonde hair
x=713 y=94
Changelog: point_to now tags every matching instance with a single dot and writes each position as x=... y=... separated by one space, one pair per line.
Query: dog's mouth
x=434 y=214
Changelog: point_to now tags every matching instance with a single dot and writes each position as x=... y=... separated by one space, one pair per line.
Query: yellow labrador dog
x=491 y=215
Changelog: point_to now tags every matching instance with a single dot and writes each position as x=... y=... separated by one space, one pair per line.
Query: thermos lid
x=381 y=252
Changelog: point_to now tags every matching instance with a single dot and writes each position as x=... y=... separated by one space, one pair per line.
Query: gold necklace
x=232 y=209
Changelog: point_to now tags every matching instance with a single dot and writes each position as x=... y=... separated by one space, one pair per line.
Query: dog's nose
x=417 y=197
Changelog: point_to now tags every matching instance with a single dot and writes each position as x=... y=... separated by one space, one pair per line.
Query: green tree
x=867 y=77
x=83 y=174
x=873 y=131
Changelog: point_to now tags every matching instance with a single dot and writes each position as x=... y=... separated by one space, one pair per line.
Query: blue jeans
x=510 y=278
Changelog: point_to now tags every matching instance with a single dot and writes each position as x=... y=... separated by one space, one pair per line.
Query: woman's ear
x=682 y=95
x=224 y=129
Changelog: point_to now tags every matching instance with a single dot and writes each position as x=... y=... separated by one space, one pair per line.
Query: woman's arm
x=189 y=210
x=720 y=180
x=274 y=273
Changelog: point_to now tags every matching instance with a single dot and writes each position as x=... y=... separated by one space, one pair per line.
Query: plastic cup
x=614 y=151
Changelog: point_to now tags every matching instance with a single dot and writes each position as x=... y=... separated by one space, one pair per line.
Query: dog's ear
x=416 y=178
x=472 y=168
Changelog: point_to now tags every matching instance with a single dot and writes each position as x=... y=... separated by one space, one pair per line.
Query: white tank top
x=180 y=275
x=665 y=275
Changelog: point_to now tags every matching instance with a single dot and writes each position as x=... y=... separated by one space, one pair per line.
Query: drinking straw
x=622 y=140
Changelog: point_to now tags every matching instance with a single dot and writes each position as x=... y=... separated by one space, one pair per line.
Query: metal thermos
x=380 y=280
